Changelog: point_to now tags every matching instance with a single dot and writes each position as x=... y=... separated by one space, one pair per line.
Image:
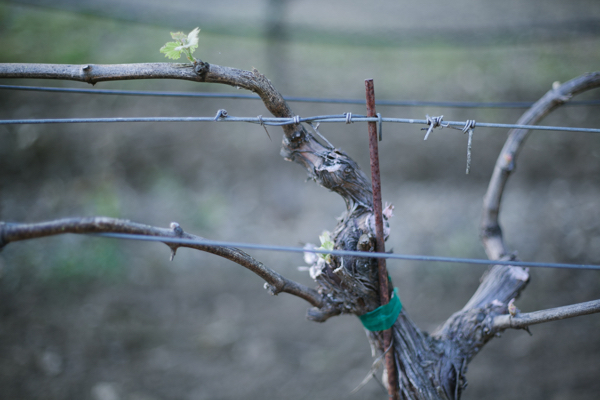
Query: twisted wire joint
x=222 y=113
x=348 y=118
x=434 y=122
x=262 y=123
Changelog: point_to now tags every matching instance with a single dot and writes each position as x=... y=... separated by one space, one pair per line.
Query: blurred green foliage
x=39 y=35
x=104 y=200
x=91 y=259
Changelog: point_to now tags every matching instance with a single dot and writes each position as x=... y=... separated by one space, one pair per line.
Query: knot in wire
x=348 y=117
x=469 y=126
x=262 y=123
x=434 y=122
x=222 y=113
x=296 y=119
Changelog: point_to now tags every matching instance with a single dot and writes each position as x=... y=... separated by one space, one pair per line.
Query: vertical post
x=277 y=34
x=384 y=293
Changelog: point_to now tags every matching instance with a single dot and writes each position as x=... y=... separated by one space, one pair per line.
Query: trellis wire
x=288 y=121
x=343 y=118
x=397 y=103
x=365 y=254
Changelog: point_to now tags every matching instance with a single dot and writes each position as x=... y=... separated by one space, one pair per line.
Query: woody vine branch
x=345 y=284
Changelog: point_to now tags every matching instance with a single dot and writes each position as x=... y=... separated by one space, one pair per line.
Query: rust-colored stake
x=384 y=293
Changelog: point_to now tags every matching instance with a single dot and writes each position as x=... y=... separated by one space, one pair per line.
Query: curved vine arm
x=330 y=168
x=200 y=72
x=275 y=283
x=501 y=284
x=491 y=233
x=487 y=312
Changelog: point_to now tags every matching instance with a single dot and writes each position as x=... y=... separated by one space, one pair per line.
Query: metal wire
x=396 y=103
x=288 y=121
x=365 y=254
x=342 y=118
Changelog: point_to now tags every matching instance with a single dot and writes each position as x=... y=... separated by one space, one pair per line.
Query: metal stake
x=384 y=293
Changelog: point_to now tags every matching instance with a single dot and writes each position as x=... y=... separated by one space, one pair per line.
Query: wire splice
x=222 y=113
x=434 y=122
x=262 y=123
x=349 y=118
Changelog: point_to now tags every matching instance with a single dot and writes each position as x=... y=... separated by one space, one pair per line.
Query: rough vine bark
x=428 y=366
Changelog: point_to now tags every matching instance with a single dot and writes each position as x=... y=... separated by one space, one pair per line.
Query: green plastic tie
x=383 y=317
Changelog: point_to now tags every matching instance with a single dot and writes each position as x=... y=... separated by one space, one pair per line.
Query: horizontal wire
x=397 y=103
x=289 y=121
x=364 y=254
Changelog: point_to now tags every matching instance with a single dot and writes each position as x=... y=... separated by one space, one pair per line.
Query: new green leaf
x=183 y=44
x=171 y=51
x=178 y=35
x=326 y=244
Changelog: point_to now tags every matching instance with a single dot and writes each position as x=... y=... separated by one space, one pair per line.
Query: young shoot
x=326 y=244
x=183 y=43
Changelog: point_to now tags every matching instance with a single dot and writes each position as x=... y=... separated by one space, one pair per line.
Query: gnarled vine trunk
x=429 y=366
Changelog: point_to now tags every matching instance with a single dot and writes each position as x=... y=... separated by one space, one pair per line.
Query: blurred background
x=102 y=319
